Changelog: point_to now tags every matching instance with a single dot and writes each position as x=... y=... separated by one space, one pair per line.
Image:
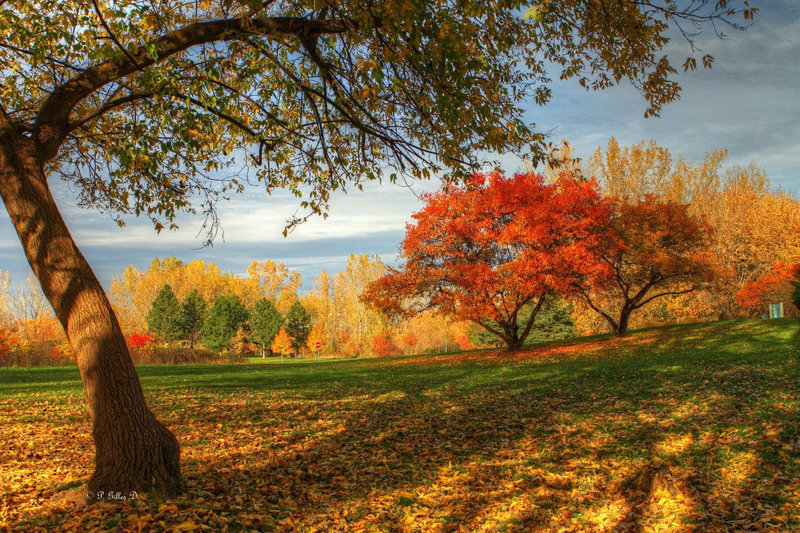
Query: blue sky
x=748 y=103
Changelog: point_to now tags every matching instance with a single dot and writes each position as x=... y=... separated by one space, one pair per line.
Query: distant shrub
x=141 y=340
x=352 y=348
x=142 y=347
x=20 y=352
x=464 y=342
x=172 y=355
x=383 y=346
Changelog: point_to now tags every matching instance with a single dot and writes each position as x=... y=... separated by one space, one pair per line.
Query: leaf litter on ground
x=672 y=429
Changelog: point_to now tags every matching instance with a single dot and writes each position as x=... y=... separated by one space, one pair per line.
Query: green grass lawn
x=671 y=428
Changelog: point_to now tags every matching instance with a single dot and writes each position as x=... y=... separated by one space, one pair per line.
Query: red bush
x=141 y=340
x=383 y=346
x=464 y=343
x=775 y=286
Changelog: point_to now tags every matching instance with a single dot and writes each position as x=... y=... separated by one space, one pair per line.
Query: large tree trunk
x=512 y=339
x=134 y=451
x=513 y=344
x=622 y=326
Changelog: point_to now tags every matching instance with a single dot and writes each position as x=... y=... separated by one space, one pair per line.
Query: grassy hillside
x=671 y=428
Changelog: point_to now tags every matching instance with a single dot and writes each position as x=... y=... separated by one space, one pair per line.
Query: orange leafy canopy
x=316 y=335
x=282 y=343
x=774 y=286
x=666 y=251
x=484 y=251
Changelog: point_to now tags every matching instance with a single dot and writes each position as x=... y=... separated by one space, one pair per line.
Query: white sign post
x=776 y=310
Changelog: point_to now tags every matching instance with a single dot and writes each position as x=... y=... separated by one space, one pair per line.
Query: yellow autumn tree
x=631 y=172
x=755 y=226
x=275 y=282
x=351 y=318
x=282 y=343
x=318 y=301
x=317 y=335
x=350 y=327
x=428 y=332
x=335 y=305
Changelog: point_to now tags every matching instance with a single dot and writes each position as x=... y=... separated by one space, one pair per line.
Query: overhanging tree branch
x=108 y=106
x=111 y=34
x=52 y=124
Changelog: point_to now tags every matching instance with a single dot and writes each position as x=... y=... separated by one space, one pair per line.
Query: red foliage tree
x=666 y=251
x=383 y=346
x=774 y=286
x=464 y=343
x=56 y=356
x=409 y=340
x=485 y=251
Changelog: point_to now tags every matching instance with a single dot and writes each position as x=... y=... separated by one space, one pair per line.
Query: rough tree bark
x=621 y=327
x=134 y=451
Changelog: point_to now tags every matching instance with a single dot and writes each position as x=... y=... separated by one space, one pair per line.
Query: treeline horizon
x=756 y=260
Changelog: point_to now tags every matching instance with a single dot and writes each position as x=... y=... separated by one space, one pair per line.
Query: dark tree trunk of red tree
x=134 y=451
x=621 y=328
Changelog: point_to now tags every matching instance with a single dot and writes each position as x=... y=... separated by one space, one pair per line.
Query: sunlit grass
x=672 y=428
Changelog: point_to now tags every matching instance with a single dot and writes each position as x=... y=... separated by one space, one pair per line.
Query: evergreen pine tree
x=796 y=290
x=553 y=323
x=164 y=316
x=222 y=322
x=265 y=321
x=193 y=313
x=298 y=324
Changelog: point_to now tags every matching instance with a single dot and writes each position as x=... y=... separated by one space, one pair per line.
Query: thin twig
x=111 y=34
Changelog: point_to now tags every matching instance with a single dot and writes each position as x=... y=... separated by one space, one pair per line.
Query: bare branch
x=666 y=293
x=108 y=106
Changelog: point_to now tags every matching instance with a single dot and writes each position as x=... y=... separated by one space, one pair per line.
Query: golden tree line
x=342 y=323
x=29 y=333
